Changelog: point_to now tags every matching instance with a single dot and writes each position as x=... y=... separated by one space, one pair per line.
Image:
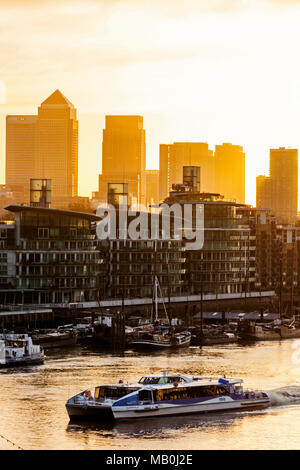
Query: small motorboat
x=19 y=350
x=200 y=395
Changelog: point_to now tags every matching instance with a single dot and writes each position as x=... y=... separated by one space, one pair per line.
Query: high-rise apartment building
x=44 y=146
x=230 y=172
x=284 y=183
x=20 y=155
x=172 y=159
x=124 y=157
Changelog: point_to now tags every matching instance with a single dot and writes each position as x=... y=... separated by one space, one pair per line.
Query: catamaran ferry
x=200 y=395
x=98 y=405
x=163 y=395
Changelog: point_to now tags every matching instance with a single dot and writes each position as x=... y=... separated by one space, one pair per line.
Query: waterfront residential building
x=133 y=265
x=230 y=172
x=226 y=262
x=124 y=157
x=277 y=252
x=50 y=257
x=263 y=230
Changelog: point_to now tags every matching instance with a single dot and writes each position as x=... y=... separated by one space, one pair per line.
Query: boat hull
x=286 y=333
x=49 y=343
x=261 y=336
x=22 y=362
x=143 y=344
x=84 y=412
x=206 y=341
x=178 y=410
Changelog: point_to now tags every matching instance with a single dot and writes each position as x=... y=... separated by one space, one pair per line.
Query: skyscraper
x=164 y=171
x=152 y=187
x=279 y=191
x=124 y=156
x=57 y=147
x=20 y=155
x=172 y=159
x=284 y=183
x=263 y=192
x=230 y=172
x=44 y=146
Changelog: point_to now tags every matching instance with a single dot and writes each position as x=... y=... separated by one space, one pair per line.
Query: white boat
x=98 y=405
x=19 y=350
x=200 y=395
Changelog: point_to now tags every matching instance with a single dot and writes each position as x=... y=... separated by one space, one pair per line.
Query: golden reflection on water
x=33 y=411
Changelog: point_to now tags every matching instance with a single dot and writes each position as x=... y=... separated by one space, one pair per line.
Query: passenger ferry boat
x=19 y=350
x=98 y=405
x=200 y=395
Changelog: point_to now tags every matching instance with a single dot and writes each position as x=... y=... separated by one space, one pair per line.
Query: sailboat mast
x=156 y=299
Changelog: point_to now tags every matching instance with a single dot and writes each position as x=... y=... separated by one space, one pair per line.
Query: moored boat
x=197 y=396
x=159 y=334
x=260 y=332
x=56 y=338
x=160 y=338
x=19 y=350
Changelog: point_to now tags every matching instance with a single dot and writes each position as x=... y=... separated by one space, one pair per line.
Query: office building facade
x=172 y=159
x=124 y=157
x=230 y=172
x=44 y=146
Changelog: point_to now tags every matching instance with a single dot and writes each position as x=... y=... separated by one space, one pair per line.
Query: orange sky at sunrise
x=212 y=71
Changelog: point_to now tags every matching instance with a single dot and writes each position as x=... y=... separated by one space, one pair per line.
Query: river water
x=33 y=414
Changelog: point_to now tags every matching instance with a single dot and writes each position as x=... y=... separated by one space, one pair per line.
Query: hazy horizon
x=204 y=71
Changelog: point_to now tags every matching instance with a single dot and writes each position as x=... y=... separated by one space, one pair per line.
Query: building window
x=43 y=232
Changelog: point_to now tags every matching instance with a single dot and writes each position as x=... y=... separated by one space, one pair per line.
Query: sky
x=197 y=70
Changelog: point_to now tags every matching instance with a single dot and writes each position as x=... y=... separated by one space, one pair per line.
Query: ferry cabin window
x=190 y=392
x=160 y=380
x=145 y=396
x=111 y=392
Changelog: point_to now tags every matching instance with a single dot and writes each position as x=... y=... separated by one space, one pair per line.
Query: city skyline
x=188 y=146
x=202 y=86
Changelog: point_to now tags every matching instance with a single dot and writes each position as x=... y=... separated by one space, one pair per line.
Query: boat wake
x=289 y=395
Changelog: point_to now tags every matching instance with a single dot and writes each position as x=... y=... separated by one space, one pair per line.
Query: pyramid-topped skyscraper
x=57 y=98
x=57 y=147
x=44 y=146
